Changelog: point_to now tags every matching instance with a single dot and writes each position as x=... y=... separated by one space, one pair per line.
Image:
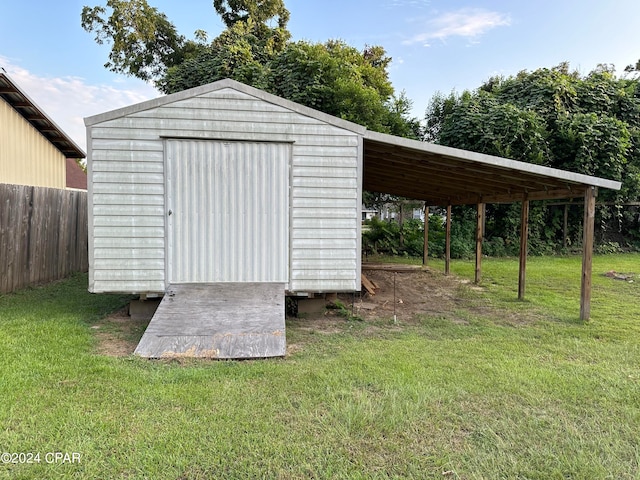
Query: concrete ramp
x=217 y=320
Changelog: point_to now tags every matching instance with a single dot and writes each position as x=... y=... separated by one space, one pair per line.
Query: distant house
x=369 y=213
x=33 y=149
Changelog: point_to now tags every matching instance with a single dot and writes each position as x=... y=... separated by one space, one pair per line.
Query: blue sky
x=436 y=45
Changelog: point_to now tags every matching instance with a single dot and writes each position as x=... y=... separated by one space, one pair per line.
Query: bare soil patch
x=118 y=334
x=415 y=293
x=408 y=293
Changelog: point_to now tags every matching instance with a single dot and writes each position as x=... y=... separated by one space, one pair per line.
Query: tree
x=144 y=42
x=342 y=81
x=553 y=117
x=260 y=11
x=236 y=53
x=259 y=16
x=146 y=45
x=255 y=49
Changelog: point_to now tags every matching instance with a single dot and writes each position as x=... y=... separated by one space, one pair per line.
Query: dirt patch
x=409 y=293
x=118 y=335
x=626 y=277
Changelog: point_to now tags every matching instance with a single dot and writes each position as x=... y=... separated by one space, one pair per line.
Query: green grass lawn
x=506 y=389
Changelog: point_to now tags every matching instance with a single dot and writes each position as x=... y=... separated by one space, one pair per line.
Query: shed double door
x=228 y=211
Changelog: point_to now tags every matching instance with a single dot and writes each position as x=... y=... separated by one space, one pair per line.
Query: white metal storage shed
x=223 y=183
x=224 y=195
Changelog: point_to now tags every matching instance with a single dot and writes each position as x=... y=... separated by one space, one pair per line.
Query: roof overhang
x=449 y=176
x=26 y=107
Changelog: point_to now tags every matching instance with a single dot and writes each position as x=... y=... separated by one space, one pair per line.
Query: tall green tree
x=144 y=43
x=236 y=53
x=255 y=49
x=342 y=81
x=558 y=118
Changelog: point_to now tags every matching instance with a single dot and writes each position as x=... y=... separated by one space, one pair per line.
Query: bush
x=382 y=237
x=502 y=232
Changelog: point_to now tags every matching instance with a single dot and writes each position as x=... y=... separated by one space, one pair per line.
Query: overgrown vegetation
x=558 y=118
x=499 y=389
x=382 y=237
x=389 y=237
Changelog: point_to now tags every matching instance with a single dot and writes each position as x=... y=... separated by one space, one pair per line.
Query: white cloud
x=407 y=3
x=67 y=100
x=469 y=23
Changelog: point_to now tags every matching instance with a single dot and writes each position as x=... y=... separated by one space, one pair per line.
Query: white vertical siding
x=230 y=211
x=127 y=167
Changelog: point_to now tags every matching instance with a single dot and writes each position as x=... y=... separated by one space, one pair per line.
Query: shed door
x=228 y=207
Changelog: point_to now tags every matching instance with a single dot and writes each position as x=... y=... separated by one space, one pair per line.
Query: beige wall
x=26 y=156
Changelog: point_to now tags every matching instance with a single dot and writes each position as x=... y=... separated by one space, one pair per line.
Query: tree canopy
x=552 y=117
x=260 y=11
x=144 y=42
x=555 y=117
x=255 y=48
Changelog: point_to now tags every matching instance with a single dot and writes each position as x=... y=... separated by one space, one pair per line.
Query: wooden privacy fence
x=43 y=235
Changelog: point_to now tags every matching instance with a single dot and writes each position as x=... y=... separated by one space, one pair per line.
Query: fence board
x=43 y=235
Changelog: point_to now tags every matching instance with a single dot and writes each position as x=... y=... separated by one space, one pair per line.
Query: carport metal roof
x=450 y=176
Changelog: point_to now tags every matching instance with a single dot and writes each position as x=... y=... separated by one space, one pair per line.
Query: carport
x=443 y=176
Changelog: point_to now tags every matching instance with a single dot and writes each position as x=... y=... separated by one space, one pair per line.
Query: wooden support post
x=524 y=234
x=565 y=226
x=480 y=222
x=587 y=251
x=425 y=251
x=447 y=243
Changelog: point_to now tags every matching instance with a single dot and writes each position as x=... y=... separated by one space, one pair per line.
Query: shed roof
x=434 y=173
x=443 y=175
x=26 y=107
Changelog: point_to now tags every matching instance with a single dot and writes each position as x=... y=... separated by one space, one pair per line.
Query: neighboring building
x=33 y=149
x=76 y=176
x=369 y=213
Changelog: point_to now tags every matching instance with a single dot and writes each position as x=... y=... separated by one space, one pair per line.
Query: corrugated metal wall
x=229 y=204
x=26 y=156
